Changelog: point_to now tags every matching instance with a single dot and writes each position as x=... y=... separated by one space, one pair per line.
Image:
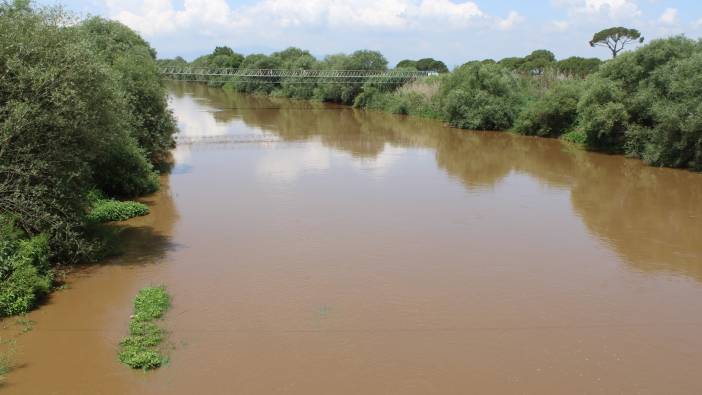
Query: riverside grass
x=140 y=350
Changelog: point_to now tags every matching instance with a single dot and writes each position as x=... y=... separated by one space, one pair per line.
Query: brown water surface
x=316 y=249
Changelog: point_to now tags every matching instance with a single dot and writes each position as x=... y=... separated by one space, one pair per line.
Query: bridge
x=203 y=74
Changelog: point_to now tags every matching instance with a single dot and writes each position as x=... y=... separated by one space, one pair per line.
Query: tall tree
x=616 y=38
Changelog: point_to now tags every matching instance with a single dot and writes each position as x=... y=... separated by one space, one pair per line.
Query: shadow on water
x=650 y=217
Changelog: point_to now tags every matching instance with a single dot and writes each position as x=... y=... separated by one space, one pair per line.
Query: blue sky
x=454 y=31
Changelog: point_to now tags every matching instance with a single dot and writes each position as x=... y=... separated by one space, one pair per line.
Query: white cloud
x=615 y=9
x=669 y=16
x=288 y=166
x=153 y=17
x=156 y=17
x=508 y=23
x=561 y=25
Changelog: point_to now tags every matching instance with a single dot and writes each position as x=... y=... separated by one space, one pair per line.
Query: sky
x=454 y=31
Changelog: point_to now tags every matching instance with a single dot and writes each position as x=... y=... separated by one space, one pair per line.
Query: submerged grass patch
x=109 y=210
x=7 y=350
x=140 y=350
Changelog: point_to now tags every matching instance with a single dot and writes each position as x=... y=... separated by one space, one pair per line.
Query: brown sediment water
x=317 y=249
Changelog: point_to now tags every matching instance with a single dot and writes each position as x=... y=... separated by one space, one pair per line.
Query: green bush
x=25 y=276
x=109 y=210
x=140 y=350
x=480 y=96
x=151 y=123
x=552 y=114
x=646 y=103
x=575 y=137
x=105 y=122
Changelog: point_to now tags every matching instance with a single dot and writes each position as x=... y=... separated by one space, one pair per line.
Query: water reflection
x=651 y=217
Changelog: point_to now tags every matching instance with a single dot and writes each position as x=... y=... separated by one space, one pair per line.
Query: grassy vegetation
x=109 y=210
x=7 y=351
x=140 y=350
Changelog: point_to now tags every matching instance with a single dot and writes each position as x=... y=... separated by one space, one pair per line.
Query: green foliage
x=480 y=96
x=151 y=122
x=140 y=350
x=109 y=210
x=175 y=62
x=552 y=114
x=575 y=137
x=425 y=64
x=81 y=106
x=25 y=275
x=616 y=39
x=7 y=352
x=647 y=103
x=603 y=115
x=512 y=63
x=578 y=67
x=537 y=62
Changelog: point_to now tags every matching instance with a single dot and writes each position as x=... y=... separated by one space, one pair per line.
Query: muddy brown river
x=317 y=249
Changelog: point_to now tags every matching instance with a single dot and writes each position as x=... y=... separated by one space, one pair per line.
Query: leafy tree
x=425 y=64
x=221 y=57
x=407 y=64
x=513 y=63
x=480 y=96
x=537 y=62
x=429 y=64
x=646 y=103
x=578 y=67
x=152 y=124
x=176 y=62
x=359 y=60
x=616 y=38
x=552 y=114
x=51 y=143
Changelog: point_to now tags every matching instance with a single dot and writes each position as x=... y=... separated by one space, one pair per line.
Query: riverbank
x=637 y=105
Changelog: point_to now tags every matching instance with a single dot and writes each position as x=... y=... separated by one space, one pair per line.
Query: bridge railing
x=290 y=76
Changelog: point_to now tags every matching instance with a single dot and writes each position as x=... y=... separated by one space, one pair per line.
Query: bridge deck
x=291 y=76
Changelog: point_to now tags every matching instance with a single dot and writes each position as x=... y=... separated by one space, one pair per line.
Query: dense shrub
x=480 y=96
x=54 y=143
x=552 y=114
x=578 y=67
x=25 y=275
x=134 y=61
x=647 y=104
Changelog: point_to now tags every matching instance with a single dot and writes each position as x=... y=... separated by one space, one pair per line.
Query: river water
x=317 y=249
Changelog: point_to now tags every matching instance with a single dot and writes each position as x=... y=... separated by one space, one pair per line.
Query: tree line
x=83 y=119
x=643 y=103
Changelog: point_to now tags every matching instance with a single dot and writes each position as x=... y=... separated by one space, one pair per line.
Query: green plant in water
x=575 y=136
x=140 y=350
x=26 y=324
x=109 y=210
x=6 y=357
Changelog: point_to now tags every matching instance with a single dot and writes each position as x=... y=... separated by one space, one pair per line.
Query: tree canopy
x=616 y=38
x=425 y=64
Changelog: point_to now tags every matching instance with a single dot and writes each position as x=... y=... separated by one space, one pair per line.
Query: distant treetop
x=616 y=38
x=426 y=64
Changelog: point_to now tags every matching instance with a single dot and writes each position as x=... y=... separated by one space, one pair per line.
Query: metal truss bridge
x=201 y=74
